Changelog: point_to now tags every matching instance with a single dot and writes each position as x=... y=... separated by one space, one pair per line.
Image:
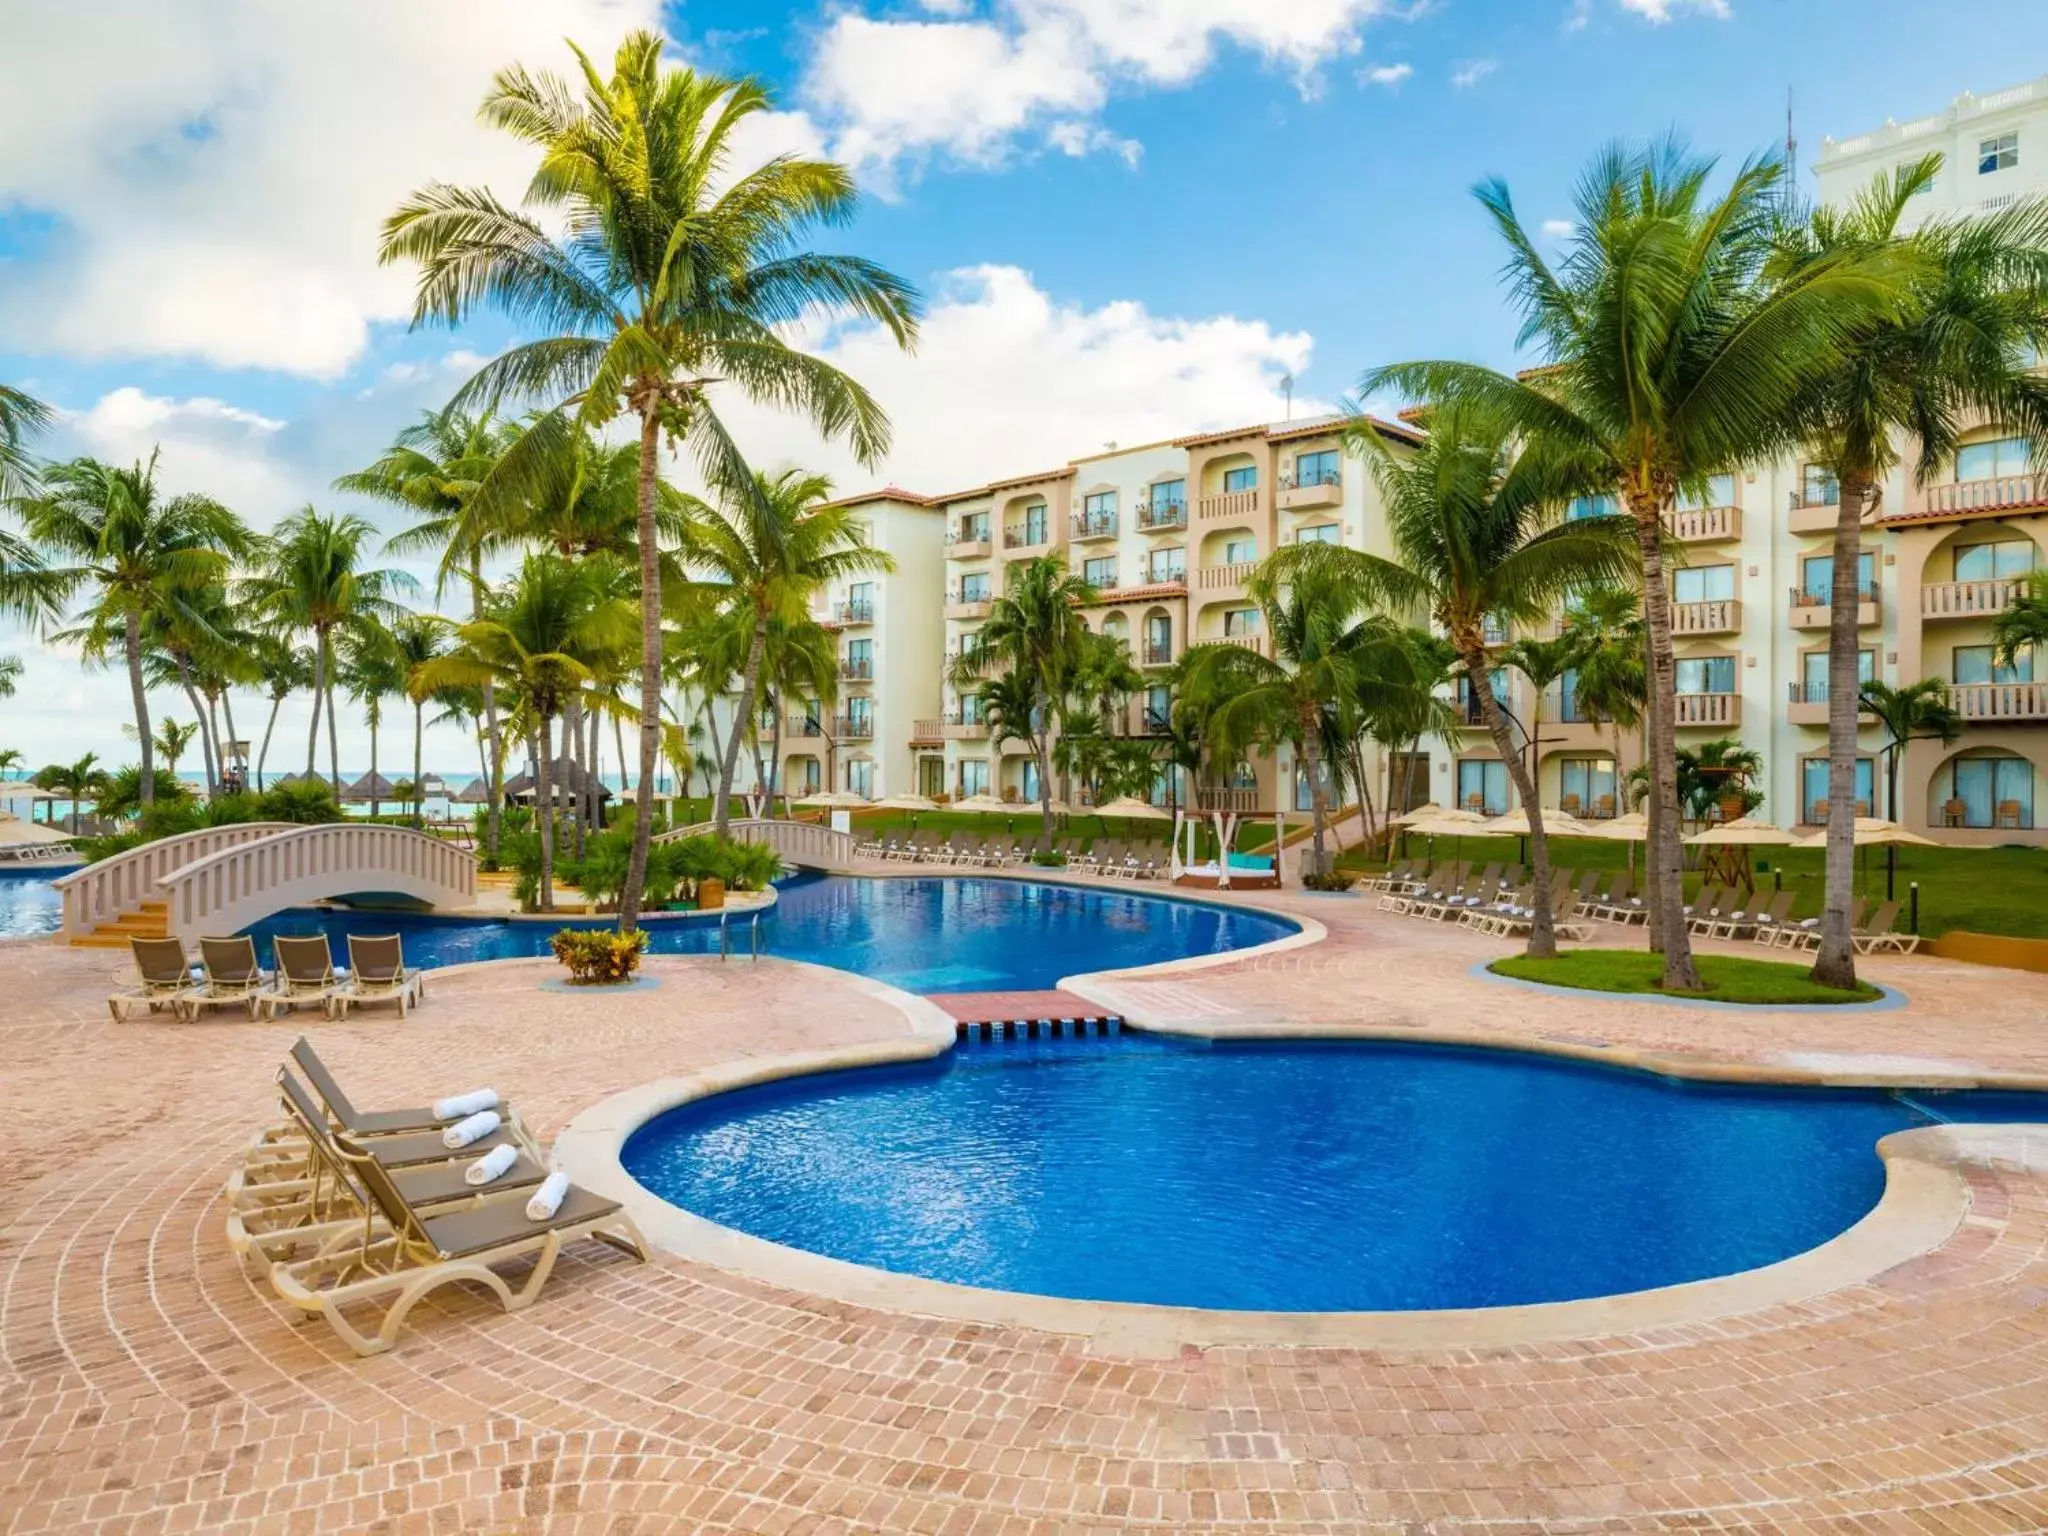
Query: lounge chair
x=305 y=975
x=231 y=976
x=1619 y=905
x=1805 y=934
x=1706 y=920
x=395 y=1253
x=1494 y=915
x=361 y=1123
x=1744 y=923
x=377 y=973
x=1564 y=906
x=163 y=977
x=1881 y=933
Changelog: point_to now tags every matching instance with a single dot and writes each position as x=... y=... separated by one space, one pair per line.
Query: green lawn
x=1982 y=890
x=1730 y=979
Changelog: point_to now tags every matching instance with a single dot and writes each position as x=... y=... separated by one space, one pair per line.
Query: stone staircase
x=151 y=920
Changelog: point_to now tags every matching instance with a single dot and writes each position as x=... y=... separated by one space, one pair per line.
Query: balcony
x=1027 y=536
x=1217 y=578
x=1721 y=617
x=1808 y=705
x=804 y=727
x=2001 y=494
x=1704 y=525
x=960 y=605
x=968 y=542
x=927 y=733
x=854 y=612
x=1256 y=643
x=1090 y=526
x=1991 y=703
x=854 y=728
x=1156 y=655
x=1229 y=506
x=1967 y=599
x=1719 y=710
x=856 y=669
x=1162 y=516
x=1814 y=610
x=959 y=727
x=1212 y=798
x=1177 y=577
x=1325 y=490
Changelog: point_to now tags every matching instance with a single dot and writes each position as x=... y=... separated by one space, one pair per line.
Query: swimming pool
x=923 y=935
x=1285 y=1176
x=29 y=902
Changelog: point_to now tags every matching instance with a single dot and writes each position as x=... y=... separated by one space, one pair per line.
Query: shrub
x=742 y=866
x=303 y=800
x=1330 y=881
x=599 y=956
x=1049 y=860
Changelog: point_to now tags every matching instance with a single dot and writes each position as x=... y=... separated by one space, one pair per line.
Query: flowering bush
x=600 y=956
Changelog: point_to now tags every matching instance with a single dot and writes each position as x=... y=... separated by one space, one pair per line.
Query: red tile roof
x=886 y=493
x=1109 y=596
x=2035 y=508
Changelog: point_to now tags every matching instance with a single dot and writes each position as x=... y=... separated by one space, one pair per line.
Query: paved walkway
x=146 y=1386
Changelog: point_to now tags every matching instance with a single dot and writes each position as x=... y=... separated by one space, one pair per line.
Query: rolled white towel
x=494 y=1164
x=462 y=1105
x=474 y=1128
x=547 y=1200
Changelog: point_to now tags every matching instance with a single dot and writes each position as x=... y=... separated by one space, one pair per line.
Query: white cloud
x=1558 y=229
x=218 y=170
x=1661 y=11
x=1390 y=75
x=1578 y=15
x=970 y=88
x=1470 y=73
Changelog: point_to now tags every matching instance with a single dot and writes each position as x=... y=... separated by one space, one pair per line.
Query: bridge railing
x=111 y=888
x=240 y=885
x=799 y=842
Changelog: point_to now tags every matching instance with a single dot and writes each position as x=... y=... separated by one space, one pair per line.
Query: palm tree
x=143 y=557
x=21 y=417
x=172 y=740
x=1961 y=352
x=29 y=590
x=312 y=582
x=284 y=669
x=768 y=548
x=2022 y=626
x=76 y=780
x=370 y=672
x=1668 y=356
x=1605 y=627
x=1543 y=662
x=534 y=641
x=436 y=466
x=1036 y=638
x=1917 y=712
x=416 y=641
x=10 y=675
x=675 y=274
x=1327 y=655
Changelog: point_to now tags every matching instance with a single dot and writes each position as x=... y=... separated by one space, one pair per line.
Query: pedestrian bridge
x=799 y=842
x=222 y=879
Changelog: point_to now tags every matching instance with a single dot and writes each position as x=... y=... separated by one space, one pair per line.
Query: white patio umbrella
x=905 y=803
x=1134 y=809
x=1632 y=828
x=15 y=832
x=1743 y=833
x=1876 y=832
x=837 y=800
x=1516 y=824
x=986 y=805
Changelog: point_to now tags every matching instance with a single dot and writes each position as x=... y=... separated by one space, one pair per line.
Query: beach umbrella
x=985 y=804
x=1743 y=833
x=14 y=832
x=371 y=786
x=21 y=789
x=1876 y=832
x=836 y=800
x=475 y=792
x=906 y=803
x=1515 y=824
x=1435 y=812
x=1131 y=808
x=1632 y=828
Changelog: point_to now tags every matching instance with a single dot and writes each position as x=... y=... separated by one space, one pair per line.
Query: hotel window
x=1316 y=468
x=2002 y=560
x=807 y=774
x=1169 y=495
x=1585 y=786
x=1304 y=795
x=1241 y=621
x=1720 y=493
x=970 y=709
x=1240 y=551
x=970 y=642
x=1703 y=584
x=860 y=777
x=973 y=779
x=862 y=596
x=1167 y=564
x=860 y=715
x=1999 y=154
x=1099 y=572
x=974 y=528
x=1028 y=780
x=1974 y=664
x=974 y=588
x=1817 y=575
x=1706 y=674
x=1993 y=460
x=1037 y=523
x=1159 y=638
x=1994 y=791
x=1099 y=504
x=1483 y=786
x=1568 y=698
x=1468 y=701
x=1592 y=506
x=1158 y=708
x=860 y=658
x=1818 y=487
x=1242 y=479
x=1321 y=533
x=1813 y=674
x=1813 y=789
x=1243 y=776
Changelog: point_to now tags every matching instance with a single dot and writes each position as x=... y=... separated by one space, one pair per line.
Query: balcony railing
x=1988 y=495
x=855 y=612
x=1027 y=536
x=1211 y=578
x=1320 y=488
x=1705 y=525
x=1966 y=599
x=967 y=542
x=1095 y=525
x=857 y=669
x=1158 y=655
x=1171 y=576
x=1313 y=478
x=1210 y=798
x=1720 y=617
x=804 y=726
x=854 y=727
x=1255 y=642
x=1709 y=708
x=1227 y=505
x=927 y=730
x=1822 y=597
x=1981 y=702
x=961 y=727
x=1813 y=608
x=1160 y=516
x=1807 y=704
x=967 y=605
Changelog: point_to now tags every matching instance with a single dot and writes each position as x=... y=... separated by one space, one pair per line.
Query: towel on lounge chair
x=492 y=1165
x=475 y=1128
x=461 y=1106
x=545 y=1201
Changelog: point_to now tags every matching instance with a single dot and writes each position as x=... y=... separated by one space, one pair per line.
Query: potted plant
x=599 y=957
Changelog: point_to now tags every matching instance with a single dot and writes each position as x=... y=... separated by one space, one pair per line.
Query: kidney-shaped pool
x=1286 y=1176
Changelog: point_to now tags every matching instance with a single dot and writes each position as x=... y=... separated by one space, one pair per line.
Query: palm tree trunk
x=375 y=717
x=263 y=752
x=419 y=794
x=544 y=813
x=750 y=677
x=495 y=757
x=579 y=771
x=319 y=693
x=131 y=635
x=333 y=736
x=227 y=708
x=650 y=666
x=1835 y=965
x=1041 y=751
x=761 y=778
x=1663 y=858
x=206 y=756
x=619 y=742
x=1542 y=938
x=1318 y=810
x=776 y=748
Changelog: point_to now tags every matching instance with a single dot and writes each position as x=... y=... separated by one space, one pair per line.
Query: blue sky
x=1132 y=215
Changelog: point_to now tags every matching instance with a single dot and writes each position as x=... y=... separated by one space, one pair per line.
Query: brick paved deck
x=146 y=1386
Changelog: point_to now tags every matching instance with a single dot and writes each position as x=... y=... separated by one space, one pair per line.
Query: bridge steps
x=151 y=920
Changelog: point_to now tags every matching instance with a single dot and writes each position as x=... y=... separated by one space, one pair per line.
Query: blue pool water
x=29 y=902
x=943 y=935
x=1288 y=1176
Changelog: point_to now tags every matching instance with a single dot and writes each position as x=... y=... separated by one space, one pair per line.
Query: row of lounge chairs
x=1110 y=857
x=356 y=1216
x=15 y=855
x=1495 y=900
x=227 y=974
